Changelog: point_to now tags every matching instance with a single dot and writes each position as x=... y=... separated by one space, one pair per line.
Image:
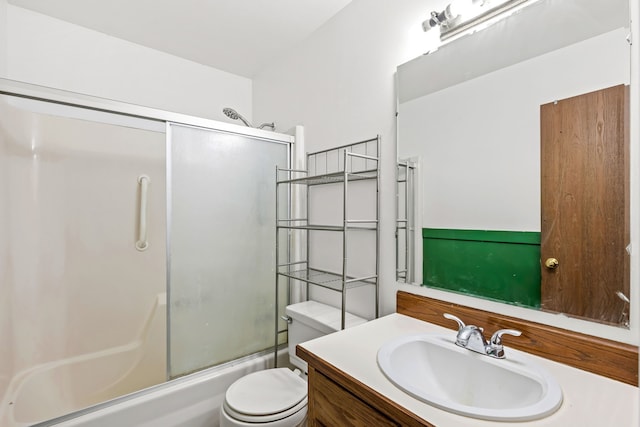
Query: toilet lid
x=268 y=392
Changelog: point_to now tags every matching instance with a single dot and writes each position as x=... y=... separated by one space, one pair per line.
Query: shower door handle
x=142 y=244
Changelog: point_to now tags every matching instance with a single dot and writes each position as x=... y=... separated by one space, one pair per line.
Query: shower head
x=233 y=115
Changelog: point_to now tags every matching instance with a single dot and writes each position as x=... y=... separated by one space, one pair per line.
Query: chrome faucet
x=472 y=338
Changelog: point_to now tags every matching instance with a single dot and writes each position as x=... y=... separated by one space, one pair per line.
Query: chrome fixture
x=444 y=18
x=624 y=316
x=472 y=338
x=461 y=15
x=271 y=125
x=233 y=115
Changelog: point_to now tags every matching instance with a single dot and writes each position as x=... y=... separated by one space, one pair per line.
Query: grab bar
x=142 y=244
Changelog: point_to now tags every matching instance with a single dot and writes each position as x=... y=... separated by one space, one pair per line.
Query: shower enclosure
x=133 y=250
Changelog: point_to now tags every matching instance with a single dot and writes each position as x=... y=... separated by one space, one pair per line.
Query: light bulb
x=459 y=8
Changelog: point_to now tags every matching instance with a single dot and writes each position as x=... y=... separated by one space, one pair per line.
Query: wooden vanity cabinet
x=332 y=405
x=337 y=399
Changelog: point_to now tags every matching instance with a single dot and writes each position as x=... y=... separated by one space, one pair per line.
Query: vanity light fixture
x=461 y=15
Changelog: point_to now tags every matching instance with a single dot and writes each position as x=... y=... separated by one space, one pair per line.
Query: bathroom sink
x=433 y=369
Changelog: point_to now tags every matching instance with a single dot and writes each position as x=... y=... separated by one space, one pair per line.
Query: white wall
x=50 y=52
x=479 y=140
x=339 y=84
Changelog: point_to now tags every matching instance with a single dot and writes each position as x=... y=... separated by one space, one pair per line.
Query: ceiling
x=238 y=36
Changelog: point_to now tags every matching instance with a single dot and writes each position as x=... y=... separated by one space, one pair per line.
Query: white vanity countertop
x=589 y=399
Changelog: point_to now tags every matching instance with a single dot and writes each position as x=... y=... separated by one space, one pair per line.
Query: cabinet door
x=331 y=405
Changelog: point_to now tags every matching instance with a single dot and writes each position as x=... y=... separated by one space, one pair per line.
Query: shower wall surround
x=3 y=37
x=83 y=310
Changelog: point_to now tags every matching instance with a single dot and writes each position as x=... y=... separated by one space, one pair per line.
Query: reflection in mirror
x=405 y=221
x=485 y=113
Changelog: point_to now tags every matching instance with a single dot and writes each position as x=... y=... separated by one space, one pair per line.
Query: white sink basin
x=433 y=369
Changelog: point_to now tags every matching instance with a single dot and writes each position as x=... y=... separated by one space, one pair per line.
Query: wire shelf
x=328 y=279
x=345 y=164
x=332 y=178
x=319 y=227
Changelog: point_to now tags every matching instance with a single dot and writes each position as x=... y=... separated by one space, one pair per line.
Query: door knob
x=551 y=263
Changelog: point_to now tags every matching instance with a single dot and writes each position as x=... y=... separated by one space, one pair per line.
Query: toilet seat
x=266 y=396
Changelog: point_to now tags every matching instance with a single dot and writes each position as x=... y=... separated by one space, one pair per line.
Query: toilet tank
x=311 y=319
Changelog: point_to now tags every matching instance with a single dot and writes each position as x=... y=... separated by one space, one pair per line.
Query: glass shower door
x=221 y=246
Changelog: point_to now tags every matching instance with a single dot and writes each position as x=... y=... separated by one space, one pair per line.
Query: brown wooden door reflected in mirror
x=585 y=206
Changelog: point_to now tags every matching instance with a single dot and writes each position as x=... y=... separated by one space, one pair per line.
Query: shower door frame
x=57 y=96
x=88 y=102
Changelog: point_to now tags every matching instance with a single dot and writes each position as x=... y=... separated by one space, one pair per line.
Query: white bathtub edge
x=192 y=401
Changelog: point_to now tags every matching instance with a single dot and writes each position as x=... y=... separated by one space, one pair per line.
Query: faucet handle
x=496 y=338
x=495 y=347
x=461 y=324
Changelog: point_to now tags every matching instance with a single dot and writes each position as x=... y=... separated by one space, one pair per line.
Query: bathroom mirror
x=472 y=113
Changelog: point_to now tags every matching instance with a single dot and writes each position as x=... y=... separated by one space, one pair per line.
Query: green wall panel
x=499 y=265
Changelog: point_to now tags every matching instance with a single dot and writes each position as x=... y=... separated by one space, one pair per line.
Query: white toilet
x=278 y=397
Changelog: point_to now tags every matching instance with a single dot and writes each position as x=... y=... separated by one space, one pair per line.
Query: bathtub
x=191 y=401
x=51 y=389
x=58 y=387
